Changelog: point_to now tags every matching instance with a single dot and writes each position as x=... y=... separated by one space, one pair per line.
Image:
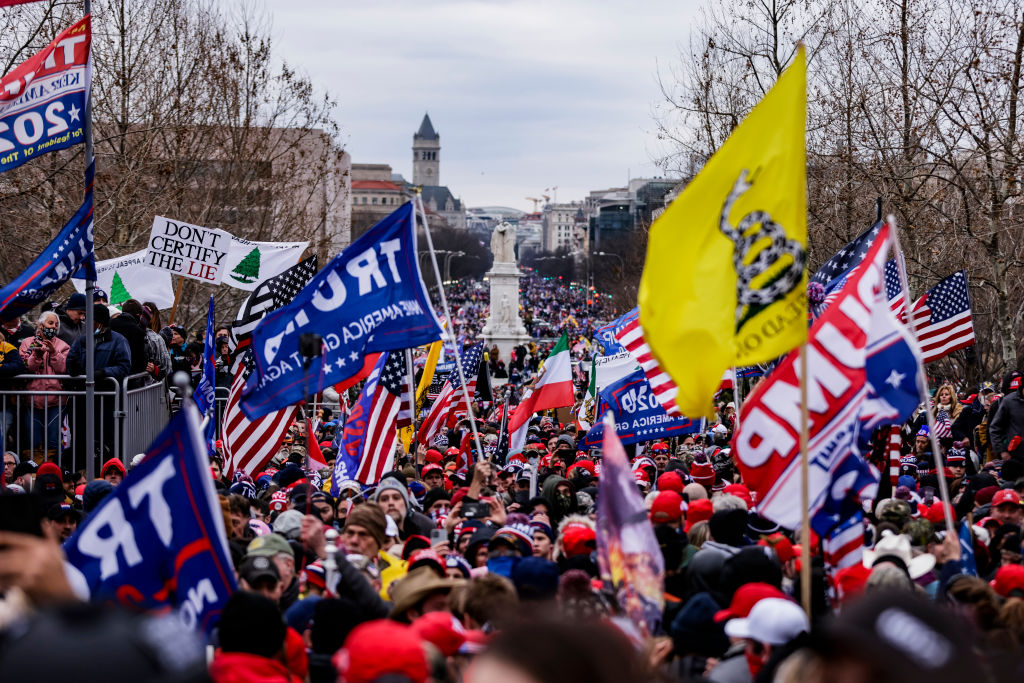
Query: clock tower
x=426 y=152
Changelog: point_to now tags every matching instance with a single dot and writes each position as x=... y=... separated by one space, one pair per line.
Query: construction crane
x=535 y=200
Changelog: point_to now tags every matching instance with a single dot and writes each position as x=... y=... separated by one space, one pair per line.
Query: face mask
x=754 y=663
x=49 y=332
x=97 y=332
x=563 y=500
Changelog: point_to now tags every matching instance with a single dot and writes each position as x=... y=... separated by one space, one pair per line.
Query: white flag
x=249 y=263
x=128 y=277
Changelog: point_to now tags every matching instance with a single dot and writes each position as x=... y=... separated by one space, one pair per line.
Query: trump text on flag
x=189 y=250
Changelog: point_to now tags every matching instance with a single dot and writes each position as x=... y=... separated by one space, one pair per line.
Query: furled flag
x=250 y=444
x=443 y=411
x=316 y=457
x=553 y=388
x=371 y=297
x=247 y=264
x=43 y=99
x=628 y=555
x=429 y=366
x=631 y=336
x=268 y=296
x=205 y=394
x=968 y=563
x=942 y=318
x=586 y=411
x=500 y=454
x=742 y=300
x=158 y=540
x=863 y=369
x=128 y=277
x=367 y=447
x=892 y=448
x=69 y=254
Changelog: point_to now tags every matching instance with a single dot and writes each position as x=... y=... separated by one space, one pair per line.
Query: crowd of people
x=456 y=567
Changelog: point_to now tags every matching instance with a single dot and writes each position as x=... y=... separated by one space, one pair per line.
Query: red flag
x=316 y=458
x=12 y=3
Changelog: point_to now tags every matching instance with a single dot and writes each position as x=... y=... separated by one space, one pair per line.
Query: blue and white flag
x=606 y=335
x=968 y=565
x=205 y=393
x=369 y=298
x=638 y=415
x=70 y=254
x=43 y=100
x=158 y=541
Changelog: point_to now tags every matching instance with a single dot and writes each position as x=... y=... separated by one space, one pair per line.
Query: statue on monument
x=503 y=243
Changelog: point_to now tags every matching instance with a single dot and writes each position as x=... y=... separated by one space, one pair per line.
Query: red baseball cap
x=744 y=599
x=667 y=507
x=433 y=456
x=1004 y=496
x=441 y=630
x=782 y=546
x=936 y=513
x=741 y=492
x=578 y=539
x=431 y=467
x=671 y=481
x=1009 y=577
x=698 y=511
x=377 y=648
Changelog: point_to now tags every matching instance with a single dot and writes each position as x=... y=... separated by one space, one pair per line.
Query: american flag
x=631 y=336
x=269 y=295
x=250 y=444
x=833 y=273
x=450 y=401
x=943 y=425
x=844 y=545
x=942 y=318
x=894 y=290
x=388 y=390
x=893 y=449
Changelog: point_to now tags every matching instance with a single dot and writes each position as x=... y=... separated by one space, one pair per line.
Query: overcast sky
x=526 y=94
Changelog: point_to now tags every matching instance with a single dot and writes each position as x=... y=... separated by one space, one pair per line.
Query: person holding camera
x=44 y=354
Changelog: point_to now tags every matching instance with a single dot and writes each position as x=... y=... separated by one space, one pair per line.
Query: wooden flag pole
x=805 y=495
x=448 y=315
x=922 y=385
x=177 y=297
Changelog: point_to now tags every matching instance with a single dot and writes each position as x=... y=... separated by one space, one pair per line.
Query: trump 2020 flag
x=370 y=297
x=70 y=254
x=637 y=413
x=158 y=541
x=742 y=300
x=43 y=99
x=862 y=369
x=627 y=550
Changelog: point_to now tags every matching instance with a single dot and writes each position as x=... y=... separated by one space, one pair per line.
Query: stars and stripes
x=833 y=273
x=371 y=439
x=943 y=425
x=269 y=295
x=942 y=318
x=250 y=444
x=844 y=545
x=631 y=337
x=892 y=447
x=893 y=289
x=450 y=402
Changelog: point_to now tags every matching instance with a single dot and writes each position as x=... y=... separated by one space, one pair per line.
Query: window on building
x=374 y=200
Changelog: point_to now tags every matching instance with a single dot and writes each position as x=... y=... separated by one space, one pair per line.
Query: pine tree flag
x=118 y=292
x=248 y=269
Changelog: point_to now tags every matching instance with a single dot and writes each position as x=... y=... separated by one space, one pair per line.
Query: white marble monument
x=504 y=328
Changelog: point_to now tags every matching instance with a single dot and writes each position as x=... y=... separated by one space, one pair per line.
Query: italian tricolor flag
x=552 y=389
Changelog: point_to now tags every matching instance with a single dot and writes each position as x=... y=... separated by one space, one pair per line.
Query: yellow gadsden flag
x=724 y=282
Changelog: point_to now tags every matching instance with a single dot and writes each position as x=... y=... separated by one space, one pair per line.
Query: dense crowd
x=453 y=567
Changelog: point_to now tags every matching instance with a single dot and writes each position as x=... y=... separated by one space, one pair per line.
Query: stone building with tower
x=426 y=172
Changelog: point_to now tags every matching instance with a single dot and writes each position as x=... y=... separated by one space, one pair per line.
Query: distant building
x=426 y=172
x=375 y=194
x=617 y=211
x=559 y=227
x=482 y=220
x=530 y=234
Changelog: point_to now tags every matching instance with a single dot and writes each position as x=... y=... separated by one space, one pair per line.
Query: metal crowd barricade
x=127 y=416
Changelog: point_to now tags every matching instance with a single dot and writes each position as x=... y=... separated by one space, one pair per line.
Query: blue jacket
x=113 y=357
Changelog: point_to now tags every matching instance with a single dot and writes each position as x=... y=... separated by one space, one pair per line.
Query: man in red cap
x=667 y=509
x=379 y=649
x=433 y=476
x=1006 y=507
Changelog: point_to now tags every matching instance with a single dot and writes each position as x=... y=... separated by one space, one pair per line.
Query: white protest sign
x=128 y=277
x=250 y=263
x=188 y=250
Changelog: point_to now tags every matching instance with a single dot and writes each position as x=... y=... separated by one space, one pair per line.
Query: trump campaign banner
x=43 y=100
x=369 y=298
x=158 y=540
x=69 y=254
x=637 y=413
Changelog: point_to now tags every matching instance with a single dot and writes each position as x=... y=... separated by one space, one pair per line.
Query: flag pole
x=177 y=297
x=444 y=331
x=922 y=386
x=90 y=289
x=805 y=495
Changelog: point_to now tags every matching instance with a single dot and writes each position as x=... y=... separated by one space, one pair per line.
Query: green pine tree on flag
x=248 y=269
x=118 y=292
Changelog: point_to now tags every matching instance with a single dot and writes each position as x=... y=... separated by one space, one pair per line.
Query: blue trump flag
x=205 y=394
x=638 y=415
x=158 y=541
x=369 y=298
x=352 y=439
x=70 y=254
x=606 y=335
